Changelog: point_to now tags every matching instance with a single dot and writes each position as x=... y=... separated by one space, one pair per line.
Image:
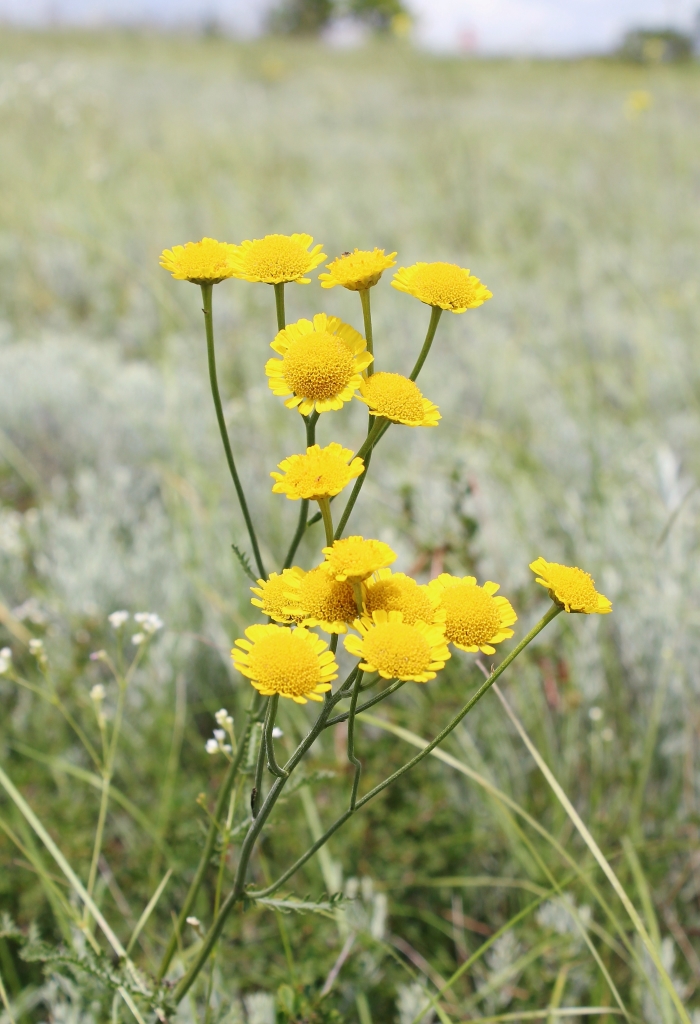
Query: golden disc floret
x=395 y=592
x=205 y=262
x=271 y=595
x=475 y=618
x=398 y=399
x=321 y=473
x=571 y=588
x=357 y=270
x=316 y=599
x=293 y=663
x=276 y=259
x=354 y=558
x=321 y=365
x=397 y=650
x=442 y=284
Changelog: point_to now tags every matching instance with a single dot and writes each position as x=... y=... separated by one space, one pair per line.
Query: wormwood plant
x=395 y=631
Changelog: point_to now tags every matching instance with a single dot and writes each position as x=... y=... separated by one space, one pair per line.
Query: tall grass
x=571 y=416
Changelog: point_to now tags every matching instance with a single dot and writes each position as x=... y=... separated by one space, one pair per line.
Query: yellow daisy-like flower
x=321 y=473
x=276 y=259
x=395 y=592
x=354 y=558
x=398 y=399
x=571 y=588
x=272 y=595
x=357 y=270
x=316 y=599
x=205 y=262
x=321 y=364
x=292 y=663
x=475 y=618
x=397 y=650
x=442 y=284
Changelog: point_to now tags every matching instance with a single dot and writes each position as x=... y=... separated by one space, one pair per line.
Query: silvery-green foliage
x=260 y=1008
x=410 y=1000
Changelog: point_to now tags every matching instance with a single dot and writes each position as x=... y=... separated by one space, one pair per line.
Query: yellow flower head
x=354 y=558
x=397 y=650
x=398 y=399
x=395 y=592
x=276 y=259
x=271 y=595
x=205 y=262
x=357 y=270
x=292 y=663
x=316 y=599
x=442 y=284
x=571 y=588
x=321 y=473
x=321 y=364
x=475 y=619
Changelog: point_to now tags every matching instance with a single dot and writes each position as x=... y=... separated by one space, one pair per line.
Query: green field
x=571 y=429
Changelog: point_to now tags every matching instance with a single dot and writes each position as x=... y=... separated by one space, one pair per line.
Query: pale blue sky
x=511 y=26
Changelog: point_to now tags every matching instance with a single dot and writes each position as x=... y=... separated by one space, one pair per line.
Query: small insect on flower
x=357 y=270
x=117 y=619
x=475 y=618
x=571 y=588
x=276 y=259
x=321 y=473
x=272 y=595
x=397 y=650
x=354 y=558
x=5 y=661
x=321 y=365
x=398 y=399
x=442 y=284
x=205 y=262
x=293 y=663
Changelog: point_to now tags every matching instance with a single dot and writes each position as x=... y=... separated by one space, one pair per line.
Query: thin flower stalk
x=352 y=758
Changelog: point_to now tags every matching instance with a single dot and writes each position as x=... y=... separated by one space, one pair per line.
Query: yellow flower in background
x=571 y=588
x=475 y=618
x=398 y=399
x=321 y=364
x=205 y=262
x=354 y=558
x=271 y=595
x=357 y=270
x=316 y=599
x=321 y=473
x=293 y=663
x=276 y=259
x=637 y=101
x=442 y=284
x=397 y=650
x=395 y=592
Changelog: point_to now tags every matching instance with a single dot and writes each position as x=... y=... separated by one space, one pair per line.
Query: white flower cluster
x=36 y=647
x=117 y=619
x=5 y=661
x=150 y=623
x=218 y=743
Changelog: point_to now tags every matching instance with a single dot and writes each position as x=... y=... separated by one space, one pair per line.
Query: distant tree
x=656 y=46
x=377 y=13
x=301 y=17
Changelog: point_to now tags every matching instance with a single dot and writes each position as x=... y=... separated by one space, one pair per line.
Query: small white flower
x=212 y=747
x=221 y=716
x=36 y=646
x=5 y=660
x=137 y=639
x=226 y=747
x=607 y=735
x=277 y=733
x=219 y=735
x=194 y=921
x=149 y=622
x=595 y=714
x=97 y=693
x=117 y=619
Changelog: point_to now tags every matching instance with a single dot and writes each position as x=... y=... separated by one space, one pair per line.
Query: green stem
x=270 y=716
x=211 y=354
x=279 y=306
x=351 y=740
x=354 y=495
x=256 y=793
x=310 y=422
x=378 y=697
x=371 y=438
x=436 y=313
x=367 y=317
x=551 y=614
x=325 y=507
x=221 y=801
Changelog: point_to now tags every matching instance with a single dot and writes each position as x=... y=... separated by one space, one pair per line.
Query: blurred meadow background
x=571 y=429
